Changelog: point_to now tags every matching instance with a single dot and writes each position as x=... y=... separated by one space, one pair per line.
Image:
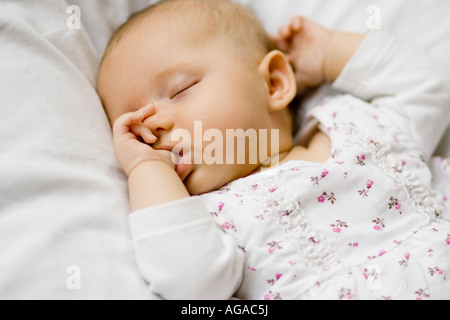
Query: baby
x=346 y=213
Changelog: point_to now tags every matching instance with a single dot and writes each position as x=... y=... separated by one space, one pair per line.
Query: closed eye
x=184 y=89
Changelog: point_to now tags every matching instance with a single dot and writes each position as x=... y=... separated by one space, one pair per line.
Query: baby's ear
x=280 y=79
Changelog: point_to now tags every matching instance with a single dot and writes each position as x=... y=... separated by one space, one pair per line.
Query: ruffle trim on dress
x=422 y=197
x=289 y=215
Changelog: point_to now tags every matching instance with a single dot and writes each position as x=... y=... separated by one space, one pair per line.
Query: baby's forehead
x=196 y=21
x=191 y=20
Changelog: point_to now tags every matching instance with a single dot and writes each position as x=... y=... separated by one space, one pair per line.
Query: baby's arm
x=409 y=88
x=180 y=251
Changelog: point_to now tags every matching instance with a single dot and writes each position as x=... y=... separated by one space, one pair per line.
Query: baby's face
x=196 y=85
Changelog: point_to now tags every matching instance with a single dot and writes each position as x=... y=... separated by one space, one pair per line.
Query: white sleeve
x=182 y=254
x=412 y=90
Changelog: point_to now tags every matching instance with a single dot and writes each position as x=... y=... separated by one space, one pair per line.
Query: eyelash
x=184 y=88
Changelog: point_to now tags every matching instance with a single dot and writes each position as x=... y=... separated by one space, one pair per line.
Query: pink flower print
x=272 y=203
x=379 y=224
x=339 y=224
x=354 y=244
x=274 y=246
x=327 y=197
x=272 y=295
x=224 y=189
x=221 y=204
x=316 y=179
x=360 y=160
x=213 y=213
x=260 y=217
x=273 y=189
x=394 y=203
x=436 y=270
x=422 y=293
x=272 y=281
x=448 y=239
x=346 y=294
x=371 y=273
x=382 y=252
x=365 y=193
x=251 y=269
x=404 y=262
x=228 y=226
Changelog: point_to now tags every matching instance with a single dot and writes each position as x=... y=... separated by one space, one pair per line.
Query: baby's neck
x=318 y=149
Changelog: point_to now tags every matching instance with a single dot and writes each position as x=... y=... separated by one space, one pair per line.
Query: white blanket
x=63 y=197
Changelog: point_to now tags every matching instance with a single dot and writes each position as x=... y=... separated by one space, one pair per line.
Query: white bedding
x=63 y=197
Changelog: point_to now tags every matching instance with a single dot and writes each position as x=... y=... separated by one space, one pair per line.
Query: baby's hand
x=132 y=139
x=305 y=43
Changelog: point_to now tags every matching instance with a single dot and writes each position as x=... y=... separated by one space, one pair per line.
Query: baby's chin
x=199 y=181
x=205 y=178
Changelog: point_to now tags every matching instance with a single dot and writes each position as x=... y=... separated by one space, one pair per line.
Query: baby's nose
x=160 y=121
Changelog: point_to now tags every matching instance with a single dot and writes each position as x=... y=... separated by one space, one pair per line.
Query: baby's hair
x=221 y=17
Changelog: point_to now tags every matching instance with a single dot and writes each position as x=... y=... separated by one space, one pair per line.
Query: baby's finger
x=123 y=123
x=296 y=23
x=148 y=111
x=279 y=43
x=285 y=33
x=142 y=114
x=140 y=130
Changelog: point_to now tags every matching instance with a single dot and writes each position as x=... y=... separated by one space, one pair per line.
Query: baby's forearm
x=339 y=52
x=154 y=183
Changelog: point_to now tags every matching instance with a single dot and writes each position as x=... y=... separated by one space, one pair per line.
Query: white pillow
x=63 y=199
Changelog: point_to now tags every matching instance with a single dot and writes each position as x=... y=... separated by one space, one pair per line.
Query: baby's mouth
x=183 y=165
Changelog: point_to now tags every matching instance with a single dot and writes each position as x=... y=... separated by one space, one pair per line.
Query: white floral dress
x=363 y=225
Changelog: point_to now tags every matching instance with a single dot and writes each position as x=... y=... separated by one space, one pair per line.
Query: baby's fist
x=132 y=141
x=305 y=43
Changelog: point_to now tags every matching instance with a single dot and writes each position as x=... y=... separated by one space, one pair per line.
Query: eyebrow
x=173 y=69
